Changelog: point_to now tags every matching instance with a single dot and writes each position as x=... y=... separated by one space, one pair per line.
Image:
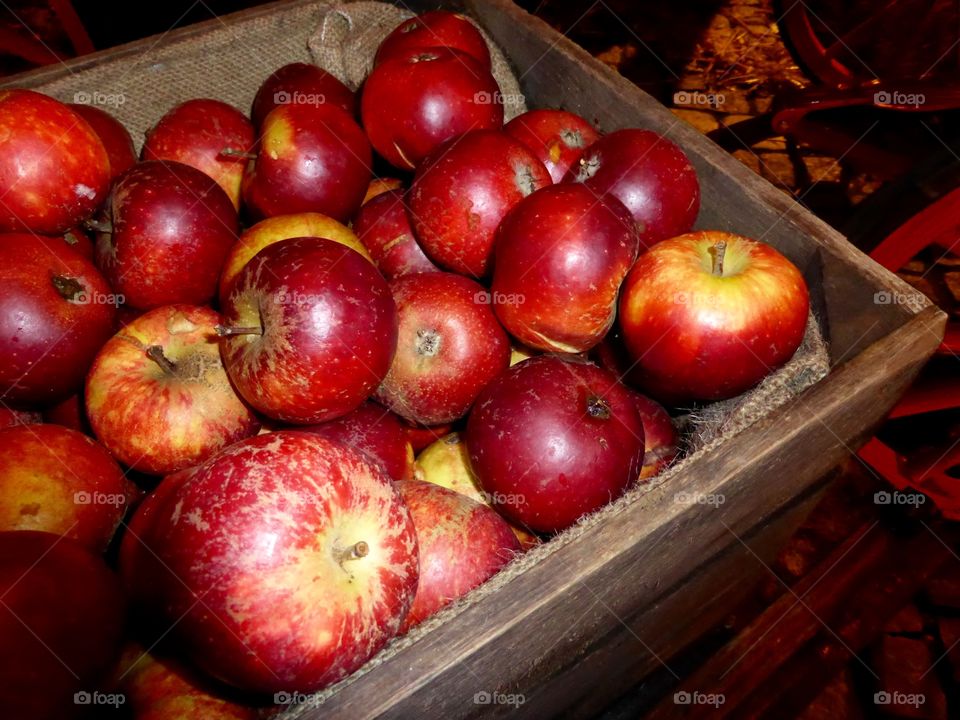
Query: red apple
x=449 y=347
x=561 y=255
x=166 y=232
x=445 y=462
x=437 y=28
x=56 y=310
x=54 y=170
x=61 y=621
x=708 y=315
x=462 y=192
x=418 y=99
x=661 y=443
x=158 y=396
x=209 y=135
x=70 y=413
x=553 y=439
x=80 y=241
x=58 y=480
x=160 y=687
x=282 y=227
x=304 y=573
x=384 y=229
x=557 y=137
x=114 y=136
x=301 y=84
x=462 y=543
x=377 y=433
x=10 y=417
x=420 y=436
x=647 y=173
x=381 y=185
x=310 y=329
x=311 y=158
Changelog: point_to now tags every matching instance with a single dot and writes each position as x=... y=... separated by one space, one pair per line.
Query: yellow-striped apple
x=708 y=315
x=557 y=137
x=158 y=396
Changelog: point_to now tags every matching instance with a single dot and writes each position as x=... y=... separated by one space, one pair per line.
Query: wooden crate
x=574 y=632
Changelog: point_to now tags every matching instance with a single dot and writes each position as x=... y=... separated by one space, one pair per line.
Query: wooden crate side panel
x=644 y=550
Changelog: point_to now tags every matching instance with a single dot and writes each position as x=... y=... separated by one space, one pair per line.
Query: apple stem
x=719 y=250
x=103 y=226
x=224 y=331
x=68 y=287
x=233 y=152
x=155 y=353
x=354 y=552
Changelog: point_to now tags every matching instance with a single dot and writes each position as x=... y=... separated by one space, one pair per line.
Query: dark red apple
x=437 y=28
x=647 y=173
x=54 y=170
x=462 y=544
x=114 y=136
x=449 y=347
x=557 y=137
x=560 y=257
x=377 y=433
x=58 y=480
x=553 y=439
x=383 y=226
x=708 y=315
x=166 y=230
x=303 y=553
x=61 y=621
x=80 y=241
x=209 y=135
x=462 y=192
x=301 y=84
x=418 y=99
x=158 y=396
x=420 y=436
x=56 y=310
x=311 y=158
x=69 y=413
x=661 y=443
x=310 y=329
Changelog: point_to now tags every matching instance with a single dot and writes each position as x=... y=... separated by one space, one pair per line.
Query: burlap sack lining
x=230 y=62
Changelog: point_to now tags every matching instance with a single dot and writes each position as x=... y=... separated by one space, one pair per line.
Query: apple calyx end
x=227 y=331
x=598 y=408
x=155 y=353
x=719 y=250
x=68 y=287
x=428 y=343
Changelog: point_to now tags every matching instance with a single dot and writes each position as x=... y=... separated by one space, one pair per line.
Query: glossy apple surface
x=282 y=227
x=311 y=158
x=158 y=396
x=376 y=432
x=114 y=136
x=305 y=572
x=61 y=621
x=557 y=137
x=54 y=170
x=168 y=228
x=311 y=330
x=552 y=439
x=560 y=257
x=56 y=310
x=300 y=84
x=418 y=99
x=196 y=133
x=699 y=329
x=462 y=192
x=462 y=544
x=437 y=28
x=647 y=173
x=383 y=226
x=60 y=481
x=449 y=346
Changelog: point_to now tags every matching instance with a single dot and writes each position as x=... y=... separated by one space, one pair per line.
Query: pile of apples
x=218 y=360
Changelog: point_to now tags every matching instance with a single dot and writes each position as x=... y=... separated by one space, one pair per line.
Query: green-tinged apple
x=462 y=543
x=158 y=396
x=60 y=481
x=304 y=553
x=708 y=315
